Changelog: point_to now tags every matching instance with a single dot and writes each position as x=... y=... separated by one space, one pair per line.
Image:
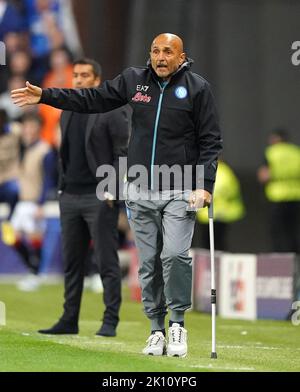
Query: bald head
x=166 y=54
x=170 y=39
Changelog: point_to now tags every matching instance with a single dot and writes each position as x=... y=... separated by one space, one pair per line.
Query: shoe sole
x=154 y=355
x=177 y=355
x=157 y=355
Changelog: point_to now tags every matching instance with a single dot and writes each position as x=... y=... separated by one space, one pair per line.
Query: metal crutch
x=213 y=282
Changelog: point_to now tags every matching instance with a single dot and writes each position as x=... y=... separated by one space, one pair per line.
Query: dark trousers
x=84 y=217
x=285 y=226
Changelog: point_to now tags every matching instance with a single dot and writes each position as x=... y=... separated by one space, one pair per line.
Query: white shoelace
x=176 y=335
x=154 y=339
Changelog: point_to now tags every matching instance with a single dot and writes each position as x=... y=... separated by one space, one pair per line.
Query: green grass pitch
x=242 y=346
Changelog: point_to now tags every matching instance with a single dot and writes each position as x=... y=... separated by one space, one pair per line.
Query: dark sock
x=159 y=330
x=181 y=323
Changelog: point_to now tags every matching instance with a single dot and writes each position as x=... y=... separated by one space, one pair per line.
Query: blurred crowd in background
x=41 y=41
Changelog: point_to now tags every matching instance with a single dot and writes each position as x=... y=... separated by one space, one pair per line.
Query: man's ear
x=98 y=81
x=182 y=58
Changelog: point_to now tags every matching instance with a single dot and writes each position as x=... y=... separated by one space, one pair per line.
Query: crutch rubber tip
x=214 y=356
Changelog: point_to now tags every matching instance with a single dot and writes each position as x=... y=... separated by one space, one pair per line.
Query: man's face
x=30 y=132
x=84 y=77
x=42 y=5
x=166 y=55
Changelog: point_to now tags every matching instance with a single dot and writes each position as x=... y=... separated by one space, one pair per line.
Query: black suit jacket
x=106 y=140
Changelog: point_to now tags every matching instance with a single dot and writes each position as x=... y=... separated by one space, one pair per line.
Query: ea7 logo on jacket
x=139 y=87
x=139 y=97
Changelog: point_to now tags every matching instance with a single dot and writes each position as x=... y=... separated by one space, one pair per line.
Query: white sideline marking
x=84 y=340
x=47 y=280
x=280 y=328
x=210 y=366
x=251 y=347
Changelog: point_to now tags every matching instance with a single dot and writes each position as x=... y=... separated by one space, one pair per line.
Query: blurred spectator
x=10 y=19
x=18 y=4
x=46 y=21
x=61 y=70
x=51 y=168
x=280 y=174
x=41 y=19
x=49 y=19
x=13 y=112
x=40 y=38
x=228 y=207
x=9 y=163
x=69 y=28
x=52 y=236
x=35 y=27
x=61 y=75
x=20 y=65
x=27 y=219
x=13 y=43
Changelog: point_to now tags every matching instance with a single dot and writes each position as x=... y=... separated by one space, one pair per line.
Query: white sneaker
x=93 y=283
x=96 y=284
x=177 y=346
x=29 y=283
x=156 y=344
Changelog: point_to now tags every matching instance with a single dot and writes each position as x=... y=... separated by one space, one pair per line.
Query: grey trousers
x=163 y=231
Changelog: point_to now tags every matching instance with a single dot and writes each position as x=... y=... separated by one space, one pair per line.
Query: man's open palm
x=29 y=95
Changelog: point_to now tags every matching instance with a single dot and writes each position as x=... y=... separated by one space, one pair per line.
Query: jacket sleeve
x=119 y=130
x=110 y=95
x=208 y=138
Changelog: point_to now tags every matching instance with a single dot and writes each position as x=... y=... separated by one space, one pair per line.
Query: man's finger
x=16 y=96
x=24 y=103
x=19 y=102
x=19 y=91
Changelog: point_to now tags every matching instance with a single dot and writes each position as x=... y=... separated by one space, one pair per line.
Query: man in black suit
x=89 y=141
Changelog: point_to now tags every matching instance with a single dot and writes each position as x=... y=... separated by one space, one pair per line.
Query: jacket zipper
x=162 y=89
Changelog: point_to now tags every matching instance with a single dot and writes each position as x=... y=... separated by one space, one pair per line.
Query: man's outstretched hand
x=29 y=95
